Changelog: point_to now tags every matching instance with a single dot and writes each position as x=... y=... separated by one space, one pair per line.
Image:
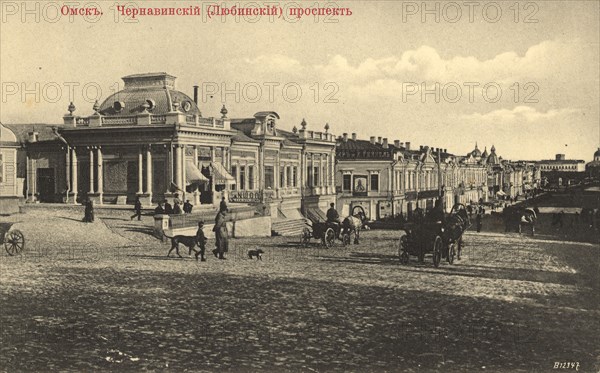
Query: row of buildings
x=152 y=141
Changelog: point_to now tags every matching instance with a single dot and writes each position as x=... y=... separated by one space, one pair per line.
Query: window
x=294 y=176
x=316 y=176
x=251 y=177
x=234 y=174
x=269 y=177
x=347 y=183
x=242 y=177
x=308 y=176
x=282 y=177
x=288 y=171
x=375 y=182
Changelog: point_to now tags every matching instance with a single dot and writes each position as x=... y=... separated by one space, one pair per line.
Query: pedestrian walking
x=223 y=205
x=137 y=208
x=478 y=221
x=201 y=241
x=221 y=234
x=88 y=215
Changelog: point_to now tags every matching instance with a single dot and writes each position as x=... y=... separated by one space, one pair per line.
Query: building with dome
x=592 y=169
x=151 y=141
x=10 y=185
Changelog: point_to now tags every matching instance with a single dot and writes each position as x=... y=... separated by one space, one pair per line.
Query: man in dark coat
x=223 y=205
x=221 y=234
x=137 y=208
x=187 y=207
x=201 y=241
x=168 y=208
x=159 y=209
x=89 y=212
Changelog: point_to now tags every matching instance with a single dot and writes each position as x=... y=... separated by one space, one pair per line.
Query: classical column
x=311 y=172
x=285 y=173
x=68 y=173
x=99 y=169
x=74 y=166
x=196 y=192
x=140 y=171
x=183 y=172
x=178 y=173
x=91 y=171
x=149 y=173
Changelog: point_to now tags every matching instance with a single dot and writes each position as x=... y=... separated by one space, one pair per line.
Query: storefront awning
x=193 y=174
x=220 y=174
x=500 y=193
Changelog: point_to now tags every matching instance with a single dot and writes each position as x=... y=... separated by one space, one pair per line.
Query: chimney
x=33 y=136
x=402 y=145
x=353 y=136
x=560 y=157
x=408 y=145
x=445 y=150
x=196 y=94
x=379 y=140
x=372 y=139
x=345 y=137
x=385 y=143
x=397 y=143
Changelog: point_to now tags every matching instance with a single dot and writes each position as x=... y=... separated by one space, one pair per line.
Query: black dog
x=255 y=253
x=189 y=241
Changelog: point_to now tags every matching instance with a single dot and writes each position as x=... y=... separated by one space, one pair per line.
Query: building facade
x=151 y=141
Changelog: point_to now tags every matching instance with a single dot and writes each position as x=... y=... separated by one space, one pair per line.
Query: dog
x=189 y=241
x=255 y=253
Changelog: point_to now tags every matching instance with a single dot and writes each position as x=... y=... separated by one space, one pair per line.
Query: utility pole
x=439 y=162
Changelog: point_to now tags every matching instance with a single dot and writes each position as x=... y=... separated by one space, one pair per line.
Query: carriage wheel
x=305 y=237
x=346 y=238
x=451 y=253
x=437 y=251
x=459 y=248
x=14 y=242
x=329 y=238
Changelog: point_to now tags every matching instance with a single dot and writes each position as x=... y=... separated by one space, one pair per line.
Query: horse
x=353 y=223
x=528 y=217
x=515 y=218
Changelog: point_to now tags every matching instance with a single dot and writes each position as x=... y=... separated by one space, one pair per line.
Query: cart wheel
x=305 y=237
x=404 y=257
x=329 y=238
x=14 y=242
x=451 y=253
x=346 y=239
x=437 y=251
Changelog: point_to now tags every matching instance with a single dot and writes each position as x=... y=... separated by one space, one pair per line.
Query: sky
x=522 y=76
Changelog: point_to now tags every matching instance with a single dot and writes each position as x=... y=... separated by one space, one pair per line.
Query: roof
x=350 y=149
x=573 y=161
x=45 y=132
x=148 y=75
x=239 y=136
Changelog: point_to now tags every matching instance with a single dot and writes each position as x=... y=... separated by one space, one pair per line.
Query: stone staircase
x=288 y=227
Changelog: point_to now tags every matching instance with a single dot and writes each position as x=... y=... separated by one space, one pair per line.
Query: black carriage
x=440 y=239
x=13 y=239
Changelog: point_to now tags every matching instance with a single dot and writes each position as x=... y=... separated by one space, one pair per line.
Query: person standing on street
x=138 y=209
x=478 y=220
x=221 y=234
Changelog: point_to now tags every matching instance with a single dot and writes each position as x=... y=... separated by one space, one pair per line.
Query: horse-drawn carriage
x=328 y=232
x=515 y=218
x=14 y=240
x=443 y=239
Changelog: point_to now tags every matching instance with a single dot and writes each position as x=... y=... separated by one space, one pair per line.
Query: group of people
x=221 y=234
x=165 y=207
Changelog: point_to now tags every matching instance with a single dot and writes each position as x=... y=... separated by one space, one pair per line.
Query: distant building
x=561 y=171
x=592 y=169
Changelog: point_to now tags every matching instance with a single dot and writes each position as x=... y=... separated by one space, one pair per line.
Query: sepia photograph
x=300 y=186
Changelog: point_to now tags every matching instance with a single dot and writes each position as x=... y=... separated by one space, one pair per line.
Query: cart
x=13 y=240
x=326 y=232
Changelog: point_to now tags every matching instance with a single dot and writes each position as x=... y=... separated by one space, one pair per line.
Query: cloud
x=521 y=114
x=277 y=62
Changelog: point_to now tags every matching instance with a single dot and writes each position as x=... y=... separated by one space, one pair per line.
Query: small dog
x=189 y=241
x=255 y=253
